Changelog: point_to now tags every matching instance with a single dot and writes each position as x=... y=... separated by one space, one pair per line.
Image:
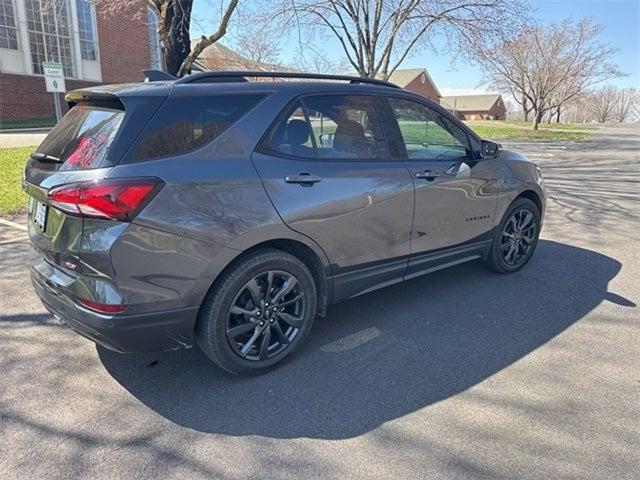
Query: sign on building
x=54 y=77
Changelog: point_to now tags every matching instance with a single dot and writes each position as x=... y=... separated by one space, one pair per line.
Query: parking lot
x=460 y=374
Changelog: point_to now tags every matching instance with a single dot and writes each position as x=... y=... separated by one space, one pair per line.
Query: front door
x=327 y=169
x=454 y=207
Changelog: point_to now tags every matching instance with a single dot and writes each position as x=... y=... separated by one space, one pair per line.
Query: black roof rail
x=239 y=76
x=155 y=75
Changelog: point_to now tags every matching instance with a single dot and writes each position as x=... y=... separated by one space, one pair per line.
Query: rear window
x=82 y=138
x=187 y=123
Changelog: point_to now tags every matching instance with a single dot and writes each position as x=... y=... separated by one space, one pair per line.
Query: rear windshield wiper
x=43 y=157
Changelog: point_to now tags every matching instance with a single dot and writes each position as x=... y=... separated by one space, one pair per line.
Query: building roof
x=219 y=57
x=404 y=77
x=470 y=103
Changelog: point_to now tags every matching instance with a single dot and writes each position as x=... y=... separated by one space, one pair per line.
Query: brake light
x=119 y=199
x=102 y=307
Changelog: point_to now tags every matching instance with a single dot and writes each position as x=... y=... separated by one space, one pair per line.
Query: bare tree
x=376 y=36
x=603 y=103
x=259 y=47
x=545 y=68
x=174 y=21
x=320 y=62
x=628 y=99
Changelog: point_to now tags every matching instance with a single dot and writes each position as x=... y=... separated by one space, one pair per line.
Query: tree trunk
x=525 y=114
x=558 y=115
x=550 y=117
x=179 y=45
x=537 y=118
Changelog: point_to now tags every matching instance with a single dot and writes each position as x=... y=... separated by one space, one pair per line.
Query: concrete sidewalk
x=22 y=138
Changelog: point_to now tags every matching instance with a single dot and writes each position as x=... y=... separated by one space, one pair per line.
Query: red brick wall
x=425 y=89
x=123 y=41
x=25 y=96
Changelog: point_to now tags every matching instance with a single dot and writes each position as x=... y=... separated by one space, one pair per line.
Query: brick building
x=476 y=107
x=416 y=80
x=94 y=47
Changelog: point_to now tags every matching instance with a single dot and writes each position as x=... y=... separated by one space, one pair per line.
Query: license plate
x=40 y=215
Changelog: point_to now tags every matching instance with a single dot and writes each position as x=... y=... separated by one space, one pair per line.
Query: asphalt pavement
x=460 y=374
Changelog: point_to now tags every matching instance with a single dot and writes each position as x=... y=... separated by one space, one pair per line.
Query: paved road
x=461 y=374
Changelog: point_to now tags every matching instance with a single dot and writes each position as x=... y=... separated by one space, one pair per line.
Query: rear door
x=454 y=204
x=327 y=169
x=76 y=149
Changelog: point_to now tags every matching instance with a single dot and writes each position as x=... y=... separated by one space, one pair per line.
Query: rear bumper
x=154 y=331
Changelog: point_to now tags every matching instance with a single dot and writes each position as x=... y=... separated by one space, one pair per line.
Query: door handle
x=428 y=175
x=306 y=179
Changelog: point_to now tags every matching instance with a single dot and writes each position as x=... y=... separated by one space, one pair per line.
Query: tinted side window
x=426 y=134
x=345 y=127
x=187 y=123
x=292 y=135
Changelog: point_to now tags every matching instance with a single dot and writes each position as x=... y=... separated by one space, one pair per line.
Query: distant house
x=416 y=80
x=476 y=107
x=219 y=57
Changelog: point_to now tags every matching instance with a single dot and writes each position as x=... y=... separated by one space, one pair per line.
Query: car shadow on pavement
x=383 y=355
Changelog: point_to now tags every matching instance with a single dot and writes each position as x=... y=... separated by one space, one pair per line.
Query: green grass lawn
x=550 y=126
x=521 y=130
x=12 y=161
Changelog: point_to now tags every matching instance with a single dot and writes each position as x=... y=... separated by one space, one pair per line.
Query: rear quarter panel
x=213 y=207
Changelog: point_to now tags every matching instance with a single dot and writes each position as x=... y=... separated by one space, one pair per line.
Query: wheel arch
x=312 y=259
x=533 y=196
x=306 y=255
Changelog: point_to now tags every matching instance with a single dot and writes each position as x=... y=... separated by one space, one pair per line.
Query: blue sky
x=621 y=19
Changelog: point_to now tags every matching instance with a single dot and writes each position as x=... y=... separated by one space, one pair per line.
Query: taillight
x=118 y=199
x=102 y=307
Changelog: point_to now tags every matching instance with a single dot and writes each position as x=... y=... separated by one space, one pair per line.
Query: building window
x=154 y=39
x=8 y=32
x=86 y=30
x=49 y=28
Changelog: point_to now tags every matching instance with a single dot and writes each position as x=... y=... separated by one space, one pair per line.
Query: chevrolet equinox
x=228 y=212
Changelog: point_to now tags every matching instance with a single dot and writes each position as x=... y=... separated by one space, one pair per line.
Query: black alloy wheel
x=258 y=312
x=515 y=238
x=518 y=237
x=266 y=315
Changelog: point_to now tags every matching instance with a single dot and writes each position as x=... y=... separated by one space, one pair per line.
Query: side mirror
x=489 y=149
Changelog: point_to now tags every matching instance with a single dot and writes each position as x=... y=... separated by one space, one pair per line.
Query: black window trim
x=436 y=109
x=264 y=148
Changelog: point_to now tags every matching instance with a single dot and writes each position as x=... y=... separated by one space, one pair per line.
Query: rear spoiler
x=103 y=97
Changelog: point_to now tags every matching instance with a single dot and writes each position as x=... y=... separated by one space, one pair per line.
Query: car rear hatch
x=82 y=148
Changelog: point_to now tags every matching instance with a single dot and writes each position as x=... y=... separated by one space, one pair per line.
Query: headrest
x=297 y=132
x=349 y=137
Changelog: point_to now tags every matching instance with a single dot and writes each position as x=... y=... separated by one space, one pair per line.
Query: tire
x=234 y=312
x=505 y=240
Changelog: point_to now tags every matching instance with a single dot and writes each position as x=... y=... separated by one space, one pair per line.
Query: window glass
x=49 y=34
x=8 y=32
x=345 y=126
x=86 y=33
x=83 y=137
x=187 y=123
x=292 y=136
x=154 y=39
x=426 y=134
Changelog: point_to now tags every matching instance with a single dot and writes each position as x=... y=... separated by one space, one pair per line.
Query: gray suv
x=230 y=213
